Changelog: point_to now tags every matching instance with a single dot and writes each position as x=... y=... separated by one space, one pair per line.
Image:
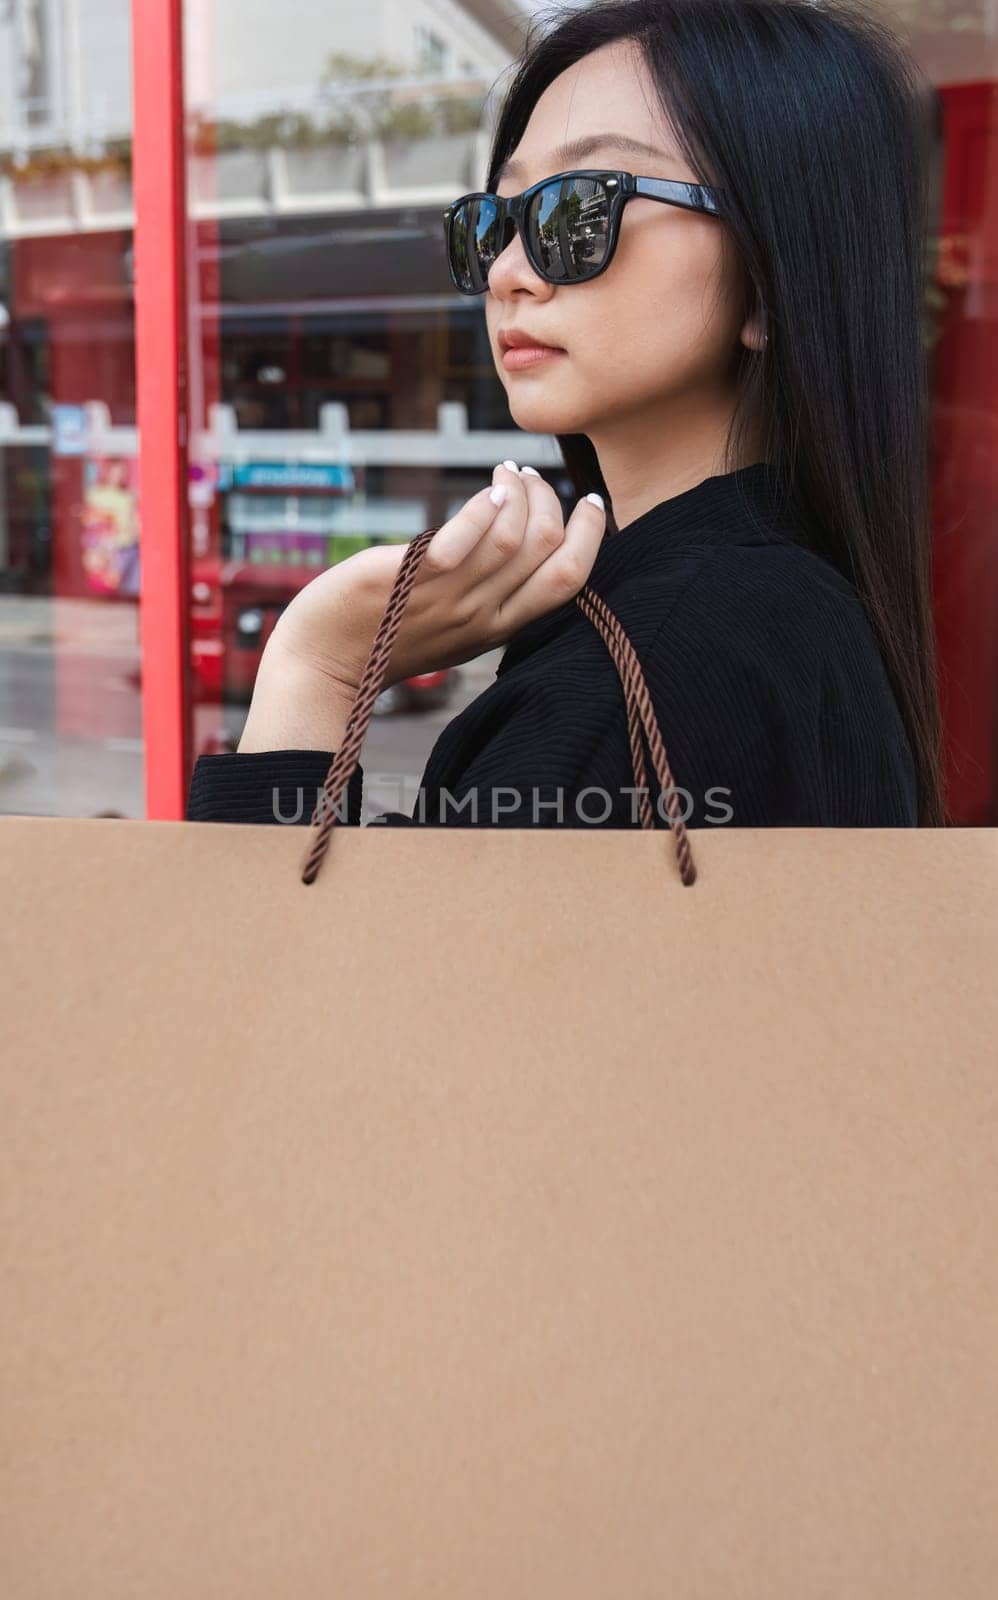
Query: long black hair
x=812 y=117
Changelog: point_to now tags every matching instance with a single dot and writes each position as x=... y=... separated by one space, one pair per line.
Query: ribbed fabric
x=763 y=668
x=266 y=786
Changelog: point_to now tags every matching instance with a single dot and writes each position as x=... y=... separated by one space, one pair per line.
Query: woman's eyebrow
x=579 y=149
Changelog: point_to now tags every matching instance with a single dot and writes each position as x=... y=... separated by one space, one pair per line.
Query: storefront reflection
x=340 y=393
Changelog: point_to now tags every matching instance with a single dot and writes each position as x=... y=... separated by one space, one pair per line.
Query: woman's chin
x=538 y=413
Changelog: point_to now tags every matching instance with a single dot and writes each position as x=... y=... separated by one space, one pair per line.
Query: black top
x=771 y=695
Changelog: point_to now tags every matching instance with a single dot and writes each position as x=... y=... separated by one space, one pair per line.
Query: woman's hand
x=505 y=558
x=485 y=573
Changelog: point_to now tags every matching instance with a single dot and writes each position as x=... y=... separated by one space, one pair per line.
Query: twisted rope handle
x=640 y=715
x=640 y=707
x=326 y=812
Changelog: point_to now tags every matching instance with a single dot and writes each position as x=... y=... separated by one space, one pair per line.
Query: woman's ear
x=754 y=335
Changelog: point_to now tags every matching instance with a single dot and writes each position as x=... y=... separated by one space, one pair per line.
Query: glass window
x=340 y=391
x=352 y=390
x=70 y=680
x=954 y=46
x=329 y=331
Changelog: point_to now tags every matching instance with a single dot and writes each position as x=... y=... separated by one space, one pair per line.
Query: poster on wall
x=110 y=525
x=69 y=430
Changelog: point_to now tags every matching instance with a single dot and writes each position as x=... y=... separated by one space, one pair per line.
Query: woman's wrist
x=295 y=705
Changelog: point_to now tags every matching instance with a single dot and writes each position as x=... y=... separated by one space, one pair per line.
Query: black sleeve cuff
x=267 y=786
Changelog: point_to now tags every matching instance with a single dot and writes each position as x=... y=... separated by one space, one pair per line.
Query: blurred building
x=340 y=391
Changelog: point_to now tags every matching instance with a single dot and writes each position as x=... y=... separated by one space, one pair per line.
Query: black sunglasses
x=569 y=224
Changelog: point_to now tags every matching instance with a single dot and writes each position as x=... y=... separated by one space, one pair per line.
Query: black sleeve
x=266 y=786
x=548 y=757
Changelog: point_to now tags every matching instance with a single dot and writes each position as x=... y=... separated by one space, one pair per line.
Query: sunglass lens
x=568 y=226
x=474 y=243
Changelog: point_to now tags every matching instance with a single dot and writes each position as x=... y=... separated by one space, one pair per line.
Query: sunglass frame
x=620 y=187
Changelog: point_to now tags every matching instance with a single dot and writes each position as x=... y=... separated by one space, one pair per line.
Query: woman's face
x=660 y=328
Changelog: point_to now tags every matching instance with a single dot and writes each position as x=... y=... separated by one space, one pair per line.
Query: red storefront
x=321 y=404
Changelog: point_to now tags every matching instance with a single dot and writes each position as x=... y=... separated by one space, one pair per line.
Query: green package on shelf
x=342 y=545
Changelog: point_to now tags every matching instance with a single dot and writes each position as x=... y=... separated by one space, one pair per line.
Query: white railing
x=451 y=444
x=275 y=182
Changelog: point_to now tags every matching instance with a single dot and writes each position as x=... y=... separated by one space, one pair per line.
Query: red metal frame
x=965 y=479
x=161 y=331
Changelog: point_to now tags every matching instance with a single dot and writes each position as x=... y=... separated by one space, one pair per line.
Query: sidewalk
x=112 y=625
x=44 y=772
x=69 y=624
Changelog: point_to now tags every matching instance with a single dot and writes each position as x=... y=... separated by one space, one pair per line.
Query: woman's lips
x=528 y=355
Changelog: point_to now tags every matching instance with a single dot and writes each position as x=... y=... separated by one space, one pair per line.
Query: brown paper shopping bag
x=499 y=1215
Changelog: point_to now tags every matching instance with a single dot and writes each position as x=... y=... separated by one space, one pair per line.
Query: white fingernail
x=532 y=470
x=498 y=494
x=595 y=500
x=511 y=466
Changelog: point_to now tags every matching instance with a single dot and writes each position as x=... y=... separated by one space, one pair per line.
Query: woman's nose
x=511 y=270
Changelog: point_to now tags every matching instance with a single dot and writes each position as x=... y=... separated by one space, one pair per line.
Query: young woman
x=700 y=254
